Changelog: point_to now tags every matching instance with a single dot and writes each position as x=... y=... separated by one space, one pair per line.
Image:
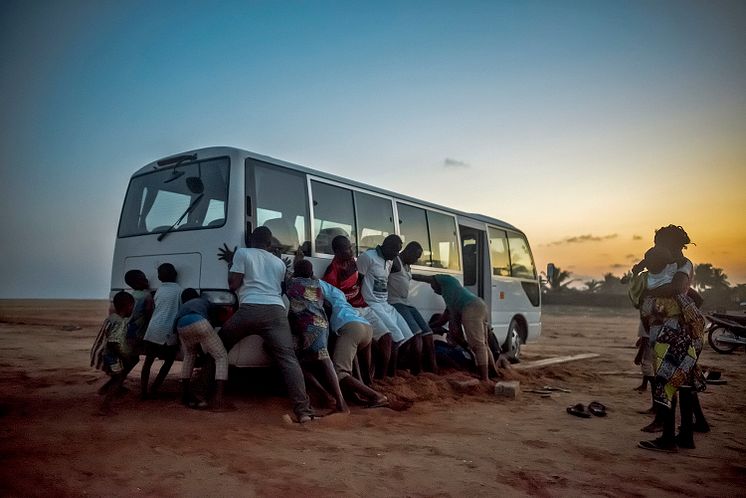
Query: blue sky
x=580 y=114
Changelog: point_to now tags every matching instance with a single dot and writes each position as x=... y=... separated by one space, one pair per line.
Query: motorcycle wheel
x=717 y=333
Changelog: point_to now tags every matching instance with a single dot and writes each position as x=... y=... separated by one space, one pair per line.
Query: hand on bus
x=225 y=254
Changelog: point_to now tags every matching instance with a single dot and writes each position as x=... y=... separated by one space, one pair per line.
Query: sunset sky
x=588 y=124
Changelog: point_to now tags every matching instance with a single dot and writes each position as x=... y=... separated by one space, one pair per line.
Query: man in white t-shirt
x=374 y=267
x=257 y=275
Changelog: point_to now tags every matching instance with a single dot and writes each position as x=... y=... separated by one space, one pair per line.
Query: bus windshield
x=187 y=196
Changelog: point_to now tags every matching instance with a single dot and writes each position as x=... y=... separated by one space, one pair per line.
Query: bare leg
x=163 y=372
x=415 y=355
x=313 y=383
x=428 y=352
x=145 y=376
x=333 y=383
x=354 y=386
x=685 y=439
x=394 y=360
x=384 y=345
x=364 y=359
x=700 y=422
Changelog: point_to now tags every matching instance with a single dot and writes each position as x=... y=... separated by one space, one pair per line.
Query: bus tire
x=512 y=346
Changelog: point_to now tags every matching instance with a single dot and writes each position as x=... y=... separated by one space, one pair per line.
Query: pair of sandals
x=594 y=408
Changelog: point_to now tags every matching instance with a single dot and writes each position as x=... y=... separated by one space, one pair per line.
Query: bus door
x=475 y=261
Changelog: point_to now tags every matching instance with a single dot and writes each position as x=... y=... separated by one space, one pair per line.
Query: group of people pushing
x=364 y=303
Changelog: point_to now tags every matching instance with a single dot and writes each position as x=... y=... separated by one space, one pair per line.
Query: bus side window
x=443 y=241
x=521 y=261
x=499 y=252
x=333 y=215
x=413 y=227
x=375 y=220
x=281 y=206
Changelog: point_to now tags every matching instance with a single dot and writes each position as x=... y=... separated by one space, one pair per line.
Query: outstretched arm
x=422 y=278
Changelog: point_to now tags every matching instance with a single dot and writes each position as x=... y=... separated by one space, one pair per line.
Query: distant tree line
x=711 y=282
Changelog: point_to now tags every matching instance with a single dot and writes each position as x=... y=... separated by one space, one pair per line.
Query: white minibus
x=182 y=208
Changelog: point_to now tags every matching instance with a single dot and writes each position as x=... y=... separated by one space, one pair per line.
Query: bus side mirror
x=550 y=271
x=195 y=185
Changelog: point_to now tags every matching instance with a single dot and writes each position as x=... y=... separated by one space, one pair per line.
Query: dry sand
x=446 y=444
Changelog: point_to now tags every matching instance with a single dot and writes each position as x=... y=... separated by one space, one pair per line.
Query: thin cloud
x=630 y=256
x=449 y=162
x=617 y=266
x=637 y=237
x=579 y=239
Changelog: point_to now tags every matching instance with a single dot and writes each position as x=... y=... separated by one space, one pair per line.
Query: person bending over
x=160 y=340
x=310 y=328
x=194 y=329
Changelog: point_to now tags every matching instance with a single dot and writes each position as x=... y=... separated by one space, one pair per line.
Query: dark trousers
x=270 y=321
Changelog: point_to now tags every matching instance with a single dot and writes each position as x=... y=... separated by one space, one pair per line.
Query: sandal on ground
x=658 y=444
x=379 y=403
x=597 y=409
x=578 y=410
x=197 y=404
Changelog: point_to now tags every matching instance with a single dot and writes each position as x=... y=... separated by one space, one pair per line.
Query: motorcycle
x=726 y=331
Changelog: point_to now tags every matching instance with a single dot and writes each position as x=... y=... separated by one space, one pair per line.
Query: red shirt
x=344 y=276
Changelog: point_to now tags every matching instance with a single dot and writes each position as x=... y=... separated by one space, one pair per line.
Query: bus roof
x=207 y=152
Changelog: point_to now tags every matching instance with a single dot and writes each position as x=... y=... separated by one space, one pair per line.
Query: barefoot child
x=110 y=351
x=310 y=326
x=194 y=329
x=160 y=338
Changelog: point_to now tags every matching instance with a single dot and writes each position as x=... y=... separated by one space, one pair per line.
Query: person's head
x=124 y=303
x=342 y=247
x=411 y=253
x=261 y=238
x=672 y=237
x=391 y=246
x=656 y=258
x=188 y=294
x=303 y=269
x=167 y=273
x=136 y=279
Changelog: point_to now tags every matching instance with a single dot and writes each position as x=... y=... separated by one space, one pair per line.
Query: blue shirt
x=193 y=311
x=342 y=312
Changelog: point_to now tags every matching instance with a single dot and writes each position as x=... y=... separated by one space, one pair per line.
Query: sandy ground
x=446 y=444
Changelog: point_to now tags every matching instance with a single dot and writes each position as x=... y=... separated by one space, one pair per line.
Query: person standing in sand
x=257 y=276
x=677 y=337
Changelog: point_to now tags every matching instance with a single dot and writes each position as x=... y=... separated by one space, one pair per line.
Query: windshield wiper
x=188 y=210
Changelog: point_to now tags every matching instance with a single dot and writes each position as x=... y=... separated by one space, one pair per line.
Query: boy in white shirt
x=160 y=339
x=374 y=267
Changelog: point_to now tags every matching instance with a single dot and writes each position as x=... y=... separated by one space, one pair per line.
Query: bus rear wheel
x=512 y=346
